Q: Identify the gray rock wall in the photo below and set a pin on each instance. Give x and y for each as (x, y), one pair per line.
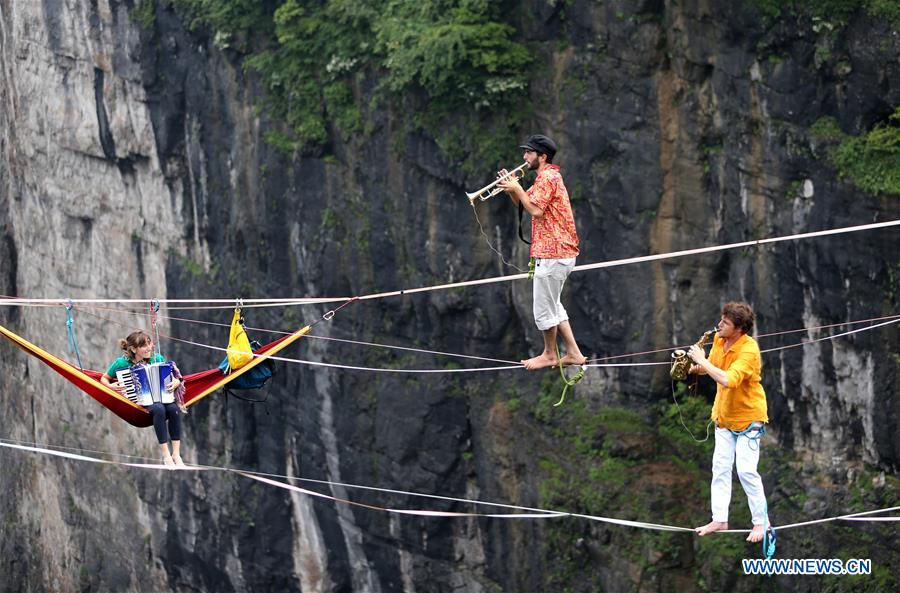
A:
(133, 166)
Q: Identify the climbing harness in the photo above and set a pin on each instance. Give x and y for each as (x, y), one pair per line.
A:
(757, 426)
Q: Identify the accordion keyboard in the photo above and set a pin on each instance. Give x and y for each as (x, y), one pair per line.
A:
(131, 385)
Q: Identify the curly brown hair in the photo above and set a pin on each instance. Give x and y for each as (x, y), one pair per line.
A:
(740, 314)
(135, 339)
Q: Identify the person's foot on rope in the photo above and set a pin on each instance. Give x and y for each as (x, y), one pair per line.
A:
(167, 460)
(756, 534)
(573, 358)
(177, 459)
(711, 527)
(542, 361)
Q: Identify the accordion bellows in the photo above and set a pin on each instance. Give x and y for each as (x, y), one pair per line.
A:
(145, 384)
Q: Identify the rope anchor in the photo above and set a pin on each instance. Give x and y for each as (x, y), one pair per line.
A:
(70, 333)
(154, 324)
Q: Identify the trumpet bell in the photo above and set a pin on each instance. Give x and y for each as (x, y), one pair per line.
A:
(492, 189)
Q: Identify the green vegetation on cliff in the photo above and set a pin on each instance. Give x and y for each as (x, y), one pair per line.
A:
(455, 70)
(326, 64)
(835, 12)
(870, 160)
(612, 461)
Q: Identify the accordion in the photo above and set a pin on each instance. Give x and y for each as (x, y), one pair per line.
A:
(145, 384)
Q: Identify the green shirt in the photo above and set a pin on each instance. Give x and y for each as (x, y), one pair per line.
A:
(124, 363)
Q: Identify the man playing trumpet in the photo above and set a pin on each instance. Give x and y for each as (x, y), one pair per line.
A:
(554, 246)
(740, 414)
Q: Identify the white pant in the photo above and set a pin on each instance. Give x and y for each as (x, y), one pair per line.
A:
(549, 277)
(731, 449)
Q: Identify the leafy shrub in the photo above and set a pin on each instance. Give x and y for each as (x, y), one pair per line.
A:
(456, 61)
(835, 12)
(870, 160)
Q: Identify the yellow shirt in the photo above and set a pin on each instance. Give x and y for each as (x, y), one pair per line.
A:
(744, 400)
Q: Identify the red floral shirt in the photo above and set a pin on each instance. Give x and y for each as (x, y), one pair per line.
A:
(553, 235)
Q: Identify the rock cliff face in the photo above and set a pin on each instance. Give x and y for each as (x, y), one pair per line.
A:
(133, 165)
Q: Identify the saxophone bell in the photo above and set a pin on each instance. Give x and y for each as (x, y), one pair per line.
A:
(681, 362)
(680, 366)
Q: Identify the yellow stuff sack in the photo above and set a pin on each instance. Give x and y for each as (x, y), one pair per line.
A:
(239, 350)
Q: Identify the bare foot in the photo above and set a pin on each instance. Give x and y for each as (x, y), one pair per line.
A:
(711, 527)
(756, 534)
(177, 459)
(167, 460)
(540, 362)
(573, 359)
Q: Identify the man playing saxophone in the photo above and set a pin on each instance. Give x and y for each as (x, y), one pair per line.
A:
(554, 246)
(740, 414)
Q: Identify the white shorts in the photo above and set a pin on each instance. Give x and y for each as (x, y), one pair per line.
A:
(549, 277)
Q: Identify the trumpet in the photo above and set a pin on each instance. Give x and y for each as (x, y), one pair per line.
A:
(681, 364)
(490, 190)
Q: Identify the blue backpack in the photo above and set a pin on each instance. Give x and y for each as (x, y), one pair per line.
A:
(255, 377)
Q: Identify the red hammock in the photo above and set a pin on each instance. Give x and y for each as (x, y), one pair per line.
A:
(197, 385)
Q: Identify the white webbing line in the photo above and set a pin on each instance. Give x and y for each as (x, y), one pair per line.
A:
(231, 303)
(380, 295)
(846, 333)
(422, 512)
(531, 512)
(863, 516)
(78, 457)
(511, 366)
(541, 514)
(408, 349)
(298, 479)
(813, 328)
(345, 340)
(511, 362)
(323, 364)
(404, 348)
(508, 367)
(646, 258)
(590, 363)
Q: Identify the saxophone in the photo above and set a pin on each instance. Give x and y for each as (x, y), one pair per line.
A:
(681, 364)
